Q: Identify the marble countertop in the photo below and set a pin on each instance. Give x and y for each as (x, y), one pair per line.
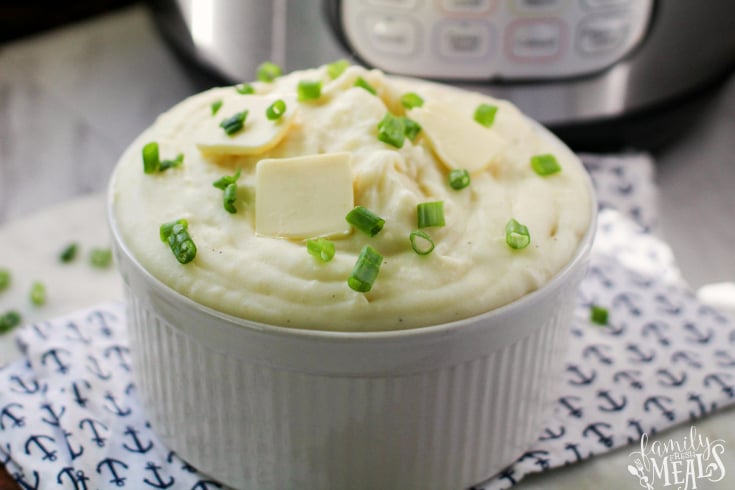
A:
(72, 99)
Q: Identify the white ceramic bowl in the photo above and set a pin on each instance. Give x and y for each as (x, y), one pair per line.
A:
(266, 407)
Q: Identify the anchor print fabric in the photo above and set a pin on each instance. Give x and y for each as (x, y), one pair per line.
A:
(70, 417)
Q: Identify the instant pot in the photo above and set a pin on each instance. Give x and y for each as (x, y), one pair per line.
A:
(600, 73)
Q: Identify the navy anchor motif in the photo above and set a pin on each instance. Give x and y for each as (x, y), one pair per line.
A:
(113, 467)
(15, 419)
(158, 481)
(77, 478)
(136, 446)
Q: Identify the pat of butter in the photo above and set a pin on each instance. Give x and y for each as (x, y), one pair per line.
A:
(457, 139)
(259, 134)
(304, 197)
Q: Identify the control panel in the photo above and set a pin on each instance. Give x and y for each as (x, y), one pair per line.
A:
(494, 39)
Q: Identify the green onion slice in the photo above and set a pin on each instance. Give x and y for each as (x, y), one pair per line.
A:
(485, 114)
(411, 100)
(309, 89)
(9, 320)
(516, 235)
(268, 71)
(321, 248)
(245, 89)
(216, 106)
(228, 184)
(545, 164)
(167, 164)
(336, 68)
(68, 253)
(176, 233)
(365, 220)
(5, 278)
(392, 130)
(101, 258)
(223, 182)
(459, 178)
(421, 242)
(411, 128)
(234, 123)
(38, 293)
(276, 110)
(598, 315)
(366, 270)
(362, 83)
(430, 214)
(151, 160)
(229, 198)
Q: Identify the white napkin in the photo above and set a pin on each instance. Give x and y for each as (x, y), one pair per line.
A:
(70, 417)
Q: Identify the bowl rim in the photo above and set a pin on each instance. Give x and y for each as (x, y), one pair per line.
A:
(582, 251)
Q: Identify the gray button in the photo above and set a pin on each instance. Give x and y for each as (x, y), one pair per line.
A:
(404, 4)
(600, 33)
(605, 3)
(538, 6)
(392, 34)
(463, 39)
(536, 39)
(467, 6)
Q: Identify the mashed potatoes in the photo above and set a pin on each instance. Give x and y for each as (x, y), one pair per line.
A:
(255, 265)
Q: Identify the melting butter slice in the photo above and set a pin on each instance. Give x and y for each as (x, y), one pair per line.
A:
(303, 197)
(457, 139)
(258, 135)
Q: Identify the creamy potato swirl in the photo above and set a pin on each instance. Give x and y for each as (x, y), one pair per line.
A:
(275, 281)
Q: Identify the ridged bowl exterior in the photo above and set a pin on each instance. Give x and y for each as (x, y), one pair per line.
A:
(260, 407)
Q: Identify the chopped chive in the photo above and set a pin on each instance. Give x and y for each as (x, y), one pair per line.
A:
(101, 258)
(229, 198)
(366, 270)
(152, 162)
(598, 315)
(268, 71)
(459, 178)
(5, 278)
(150, 157)
(223, 182)
(167, 164)
(545, 164)
(309, 89)
(68, 253)
(9, 320)
(167, 228)
(228, 184)
(516, 235)
(38, 293)
(176, 233)
(321, 248)
(392, 130)
(234, 123)
(336, 68)
(365, 220)
(275, 110)
(411, 100)
(421, 242)
(216, 106)
(362, 83)
(485, 114)
(411, 128)
(430, 214)
(245, 89)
